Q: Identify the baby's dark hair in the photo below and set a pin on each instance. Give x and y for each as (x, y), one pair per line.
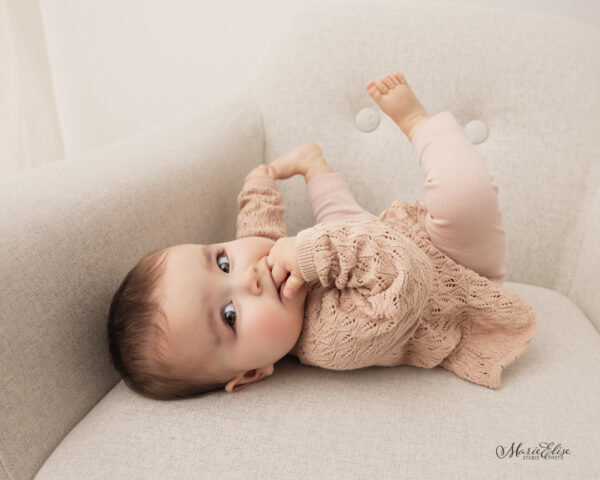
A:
(137, 340)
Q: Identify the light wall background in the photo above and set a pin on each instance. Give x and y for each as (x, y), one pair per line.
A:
(107, 69)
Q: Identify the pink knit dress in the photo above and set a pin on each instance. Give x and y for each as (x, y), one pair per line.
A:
(381, 294)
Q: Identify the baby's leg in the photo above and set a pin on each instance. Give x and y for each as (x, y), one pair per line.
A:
(463, 219)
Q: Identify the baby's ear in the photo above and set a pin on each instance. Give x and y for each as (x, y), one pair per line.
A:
(248, 377)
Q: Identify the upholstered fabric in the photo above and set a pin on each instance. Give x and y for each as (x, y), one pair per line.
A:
(377, 422)
(70, 231)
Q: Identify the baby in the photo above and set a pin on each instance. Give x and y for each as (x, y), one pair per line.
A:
(193, 318)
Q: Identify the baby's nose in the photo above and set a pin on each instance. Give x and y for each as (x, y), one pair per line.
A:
(253, 280)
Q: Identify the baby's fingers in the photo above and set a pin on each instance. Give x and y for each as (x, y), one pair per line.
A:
(292, 285)
(279, 273)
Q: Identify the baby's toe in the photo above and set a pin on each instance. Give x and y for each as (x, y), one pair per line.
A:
(389, 82)
(400, 78)
(381, 86)
(372, 89)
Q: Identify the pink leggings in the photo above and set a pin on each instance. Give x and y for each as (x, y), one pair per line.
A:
(463, 216)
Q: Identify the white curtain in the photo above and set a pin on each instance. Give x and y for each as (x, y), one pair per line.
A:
(29, 128)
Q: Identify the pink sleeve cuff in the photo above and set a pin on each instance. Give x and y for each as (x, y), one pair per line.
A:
(305, 255)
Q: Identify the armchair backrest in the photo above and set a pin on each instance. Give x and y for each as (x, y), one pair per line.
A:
(524, 85)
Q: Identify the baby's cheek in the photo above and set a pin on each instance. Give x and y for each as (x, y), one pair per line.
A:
(273, 323)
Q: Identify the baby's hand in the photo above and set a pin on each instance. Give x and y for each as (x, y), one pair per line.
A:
(261, 171)
(283, 259)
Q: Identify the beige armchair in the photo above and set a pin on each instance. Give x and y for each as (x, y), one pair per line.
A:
(525, 87)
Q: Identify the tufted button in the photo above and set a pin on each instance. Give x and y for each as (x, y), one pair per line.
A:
(476, 131)
(367, 120)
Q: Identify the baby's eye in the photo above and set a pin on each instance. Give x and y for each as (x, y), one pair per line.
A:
(229, 315)
(222, 253)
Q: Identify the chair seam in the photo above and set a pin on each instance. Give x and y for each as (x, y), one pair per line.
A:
(593, 195)
(4, 467)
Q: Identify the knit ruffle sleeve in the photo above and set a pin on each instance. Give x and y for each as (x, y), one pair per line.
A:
(260, 210)
(373, 284)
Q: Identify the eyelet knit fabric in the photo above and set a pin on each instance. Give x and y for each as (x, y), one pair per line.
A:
(470, 326)
(381, 294)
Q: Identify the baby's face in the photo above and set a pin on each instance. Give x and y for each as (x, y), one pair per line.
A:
(223, 308)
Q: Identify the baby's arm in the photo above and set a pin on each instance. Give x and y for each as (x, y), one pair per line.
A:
(377, 284)
(260, 206)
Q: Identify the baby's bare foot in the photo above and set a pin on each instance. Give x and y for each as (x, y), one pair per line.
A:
(397, 100)
(297, 161)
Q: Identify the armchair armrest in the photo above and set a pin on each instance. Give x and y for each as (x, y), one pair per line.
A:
(71, 230)
(584, 287)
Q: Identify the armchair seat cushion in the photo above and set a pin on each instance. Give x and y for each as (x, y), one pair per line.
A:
(376, 422)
